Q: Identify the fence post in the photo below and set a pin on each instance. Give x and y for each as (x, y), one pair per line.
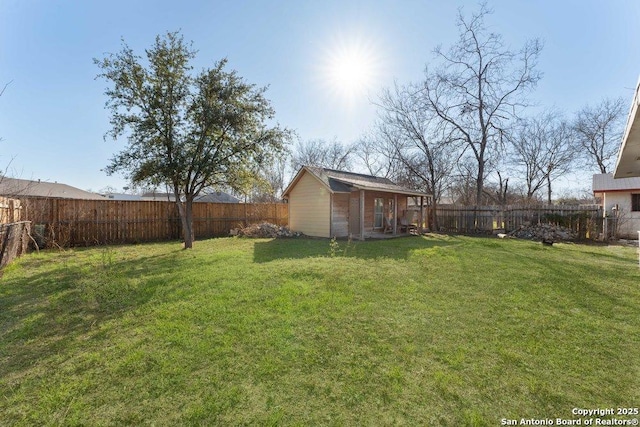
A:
(12, 211)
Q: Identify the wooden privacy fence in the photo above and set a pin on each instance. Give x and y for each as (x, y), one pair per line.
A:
(9, 210)
(586, 221)
(71, 222)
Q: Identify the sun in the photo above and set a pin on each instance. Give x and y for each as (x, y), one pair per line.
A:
(351, 71)
(351, 67)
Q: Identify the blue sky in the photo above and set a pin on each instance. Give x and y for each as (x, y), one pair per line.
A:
(52, 116)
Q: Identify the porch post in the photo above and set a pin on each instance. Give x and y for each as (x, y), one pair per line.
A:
(421, 214)
(605, 222)
(361, 214)
(395, 214)
(331, 215)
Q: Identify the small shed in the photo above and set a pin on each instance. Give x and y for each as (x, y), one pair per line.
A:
(331, 203)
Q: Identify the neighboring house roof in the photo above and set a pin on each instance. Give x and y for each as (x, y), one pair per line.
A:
(447, 200)
(606, 182)
(217, 197)
(159, 197)
(123, 197)
(628, 163)
(212, 197)
(345, 182)
(12, 187)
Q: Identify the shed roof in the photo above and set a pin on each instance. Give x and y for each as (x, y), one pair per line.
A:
(606, 182)
(12, 187)
(345, 182)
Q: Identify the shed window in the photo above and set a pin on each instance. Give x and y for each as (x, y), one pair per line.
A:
(635, 202)
(378, 212)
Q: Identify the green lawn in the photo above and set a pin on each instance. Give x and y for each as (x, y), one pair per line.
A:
(414, 331)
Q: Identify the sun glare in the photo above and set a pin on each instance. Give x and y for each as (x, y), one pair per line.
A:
(351, 68)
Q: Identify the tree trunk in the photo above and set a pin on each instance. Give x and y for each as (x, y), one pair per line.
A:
(188, 231)
(479, 183)
(548, 190)
(434, 215)
(186, 217)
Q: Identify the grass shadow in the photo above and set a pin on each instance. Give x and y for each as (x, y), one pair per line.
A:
(398, 248)
(573, 276)
(68, 303)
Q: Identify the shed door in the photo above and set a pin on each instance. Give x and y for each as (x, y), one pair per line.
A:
(354, 216)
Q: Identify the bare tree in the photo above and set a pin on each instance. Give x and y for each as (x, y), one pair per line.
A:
(416, 138)
(4, 88)
(277, 175)
(479, 87)
(500, 191)
(544, 150)
(4, 173)
(416, 143)
(274, 176)
(462, 188)
(317, 152)
(377, 155)
(599, 130)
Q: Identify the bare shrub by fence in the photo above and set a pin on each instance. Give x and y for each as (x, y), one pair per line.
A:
(14, 241)
(14, 233)
(71, 222)
(586, 221)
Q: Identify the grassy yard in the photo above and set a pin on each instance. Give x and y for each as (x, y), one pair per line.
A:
(415, 331)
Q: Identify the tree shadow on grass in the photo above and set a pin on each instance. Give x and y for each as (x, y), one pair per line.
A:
(579, 276)
(397, 248)
(42, 315)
